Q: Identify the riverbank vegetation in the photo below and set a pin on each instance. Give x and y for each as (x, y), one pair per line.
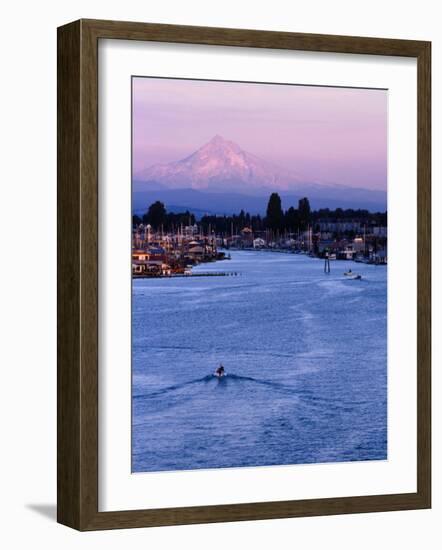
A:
(292, 220)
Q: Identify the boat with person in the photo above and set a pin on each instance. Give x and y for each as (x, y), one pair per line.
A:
(352, 275)
(220, 372)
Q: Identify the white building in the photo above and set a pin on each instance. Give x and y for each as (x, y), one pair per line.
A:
(258, 243)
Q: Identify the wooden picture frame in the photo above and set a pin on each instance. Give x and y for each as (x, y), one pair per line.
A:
(78, 274)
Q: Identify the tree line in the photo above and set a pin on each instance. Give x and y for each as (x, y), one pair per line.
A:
(276, 219)
(157, 216)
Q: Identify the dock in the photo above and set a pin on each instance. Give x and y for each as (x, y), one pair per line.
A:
(190, 275)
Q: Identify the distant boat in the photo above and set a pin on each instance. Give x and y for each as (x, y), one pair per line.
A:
(351, 275)
(220, 372)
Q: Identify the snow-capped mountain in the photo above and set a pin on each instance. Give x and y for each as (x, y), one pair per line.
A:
(220, 165)
(221, 177)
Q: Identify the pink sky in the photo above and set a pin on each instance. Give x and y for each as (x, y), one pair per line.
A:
(330, 135)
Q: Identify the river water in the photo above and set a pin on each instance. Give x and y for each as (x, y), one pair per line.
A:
(305, 354)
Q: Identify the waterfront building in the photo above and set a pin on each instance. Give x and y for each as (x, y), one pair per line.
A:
(347, 253)
(340, 226)
(259, 243)
(247, 237)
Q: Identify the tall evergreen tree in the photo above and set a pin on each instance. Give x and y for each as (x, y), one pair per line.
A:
(304, 212)
(156, 215)
(291, 219)
(275, 215)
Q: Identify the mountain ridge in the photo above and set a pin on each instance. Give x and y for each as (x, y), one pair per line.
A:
(220, 164)
(200, 202)
(221, 167)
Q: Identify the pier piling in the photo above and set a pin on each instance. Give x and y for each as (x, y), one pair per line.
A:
(327, 264)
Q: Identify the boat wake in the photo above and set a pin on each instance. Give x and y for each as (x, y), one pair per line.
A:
(262, 382)
(225, 380)
(175, 387)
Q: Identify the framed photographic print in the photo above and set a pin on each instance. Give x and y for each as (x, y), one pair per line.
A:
(243, 275)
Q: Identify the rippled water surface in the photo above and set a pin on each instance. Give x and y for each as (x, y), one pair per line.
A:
(304, 352)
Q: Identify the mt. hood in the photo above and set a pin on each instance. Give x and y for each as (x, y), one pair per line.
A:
(220, 165)
(223, 178)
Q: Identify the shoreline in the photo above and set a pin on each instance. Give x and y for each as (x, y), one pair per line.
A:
(190, 275)
(313, 257)
(237, 273)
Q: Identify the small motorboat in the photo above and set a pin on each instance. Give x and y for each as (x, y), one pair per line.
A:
(352, 275)
(220, 372)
